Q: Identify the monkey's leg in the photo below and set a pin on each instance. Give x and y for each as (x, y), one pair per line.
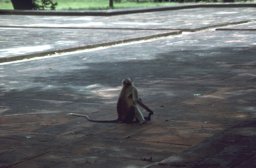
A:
(139, 115)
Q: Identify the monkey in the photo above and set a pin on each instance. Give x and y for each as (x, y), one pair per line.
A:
(127, 106)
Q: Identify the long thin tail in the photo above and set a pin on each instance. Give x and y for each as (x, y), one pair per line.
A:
(91, 120)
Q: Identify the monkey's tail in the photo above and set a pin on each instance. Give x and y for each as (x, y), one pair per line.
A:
(91, 120)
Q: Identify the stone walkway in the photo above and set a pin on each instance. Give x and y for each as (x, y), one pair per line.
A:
(43, 35)
(199, 81)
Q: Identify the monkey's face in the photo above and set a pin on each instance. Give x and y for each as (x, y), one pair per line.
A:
(127, 82)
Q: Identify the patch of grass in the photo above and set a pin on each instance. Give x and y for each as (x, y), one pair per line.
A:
(5, 4)
(93, 4)
(81, 4)
(104, 4)
(146, 4)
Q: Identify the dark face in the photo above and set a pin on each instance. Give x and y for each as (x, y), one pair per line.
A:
(127, 82)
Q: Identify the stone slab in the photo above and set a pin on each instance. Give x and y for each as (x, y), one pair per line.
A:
(198, 84)
(20, 43)
(234, 147)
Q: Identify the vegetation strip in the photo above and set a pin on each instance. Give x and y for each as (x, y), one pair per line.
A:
(126, 11)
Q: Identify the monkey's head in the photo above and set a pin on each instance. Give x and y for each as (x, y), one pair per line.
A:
(127, 82)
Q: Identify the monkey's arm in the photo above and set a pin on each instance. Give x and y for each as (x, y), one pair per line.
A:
(139, 101)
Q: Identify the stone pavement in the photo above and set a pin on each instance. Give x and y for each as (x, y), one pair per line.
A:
(50, 34)
(201, 85)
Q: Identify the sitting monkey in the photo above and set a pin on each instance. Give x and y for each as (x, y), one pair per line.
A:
(127, 106)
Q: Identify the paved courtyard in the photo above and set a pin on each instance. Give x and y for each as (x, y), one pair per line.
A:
(194, 67)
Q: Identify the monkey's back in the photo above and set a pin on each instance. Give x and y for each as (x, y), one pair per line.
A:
(125, 105)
